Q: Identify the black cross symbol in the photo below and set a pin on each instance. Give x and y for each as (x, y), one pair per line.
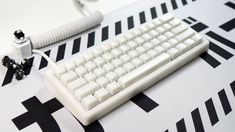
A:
(41, 113)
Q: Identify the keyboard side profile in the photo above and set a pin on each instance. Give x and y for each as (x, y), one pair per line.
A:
(92, 84)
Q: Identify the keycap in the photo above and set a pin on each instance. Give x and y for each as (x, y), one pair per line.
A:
(107, 75)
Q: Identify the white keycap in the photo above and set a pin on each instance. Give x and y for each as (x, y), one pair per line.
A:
(86, 90)
(182, 48)
(133, 54)
(139, 40)
(153, 33)
(173, 42)
(68, 77)
(108, 57)
(125, 58)
(197, 38)
(169, 34)
(114, 88)
(179, 29)
(124, 48)
(152, 53)
(150, 25)
(184, 35)
(89, 102)
(120, 71)
(148, 45)
(116, 53)
(155, 41)
(160, 30)
(99, 61)
(79, 61)
(88, 56)
(97, 52)
(157, 22)
(116, 62)
(166, 45)
(136, 32)
(102, 95)
(140, 72)
(90, 77)
(162, 38)
(167, 26)
(173, 52)
(99, 72)
(166, 17)
(137, 62)
(132, 44)
(121, 39)
(129, 36)
(189, 43)
(75, 84)
(129, 66)
(102, 81)
(175, 22)
(141, 50)
(159, 49)
(145, 58)
(58, 71)
(81, 71)
(143, 28)
(105, 47)
(108, 67)
(114, 44)
(70, 66)
(146, 37)
(90, 66)
(111, 76)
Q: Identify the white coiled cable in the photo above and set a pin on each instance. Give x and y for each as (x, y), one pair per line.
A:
(49, 37)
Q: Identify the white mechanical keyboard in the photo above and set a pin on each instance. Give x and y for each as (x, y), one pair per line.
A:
(94, 83)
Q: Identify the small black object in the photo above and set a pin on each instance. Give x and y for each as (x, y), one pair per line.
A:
(19, 34)
(19, 69)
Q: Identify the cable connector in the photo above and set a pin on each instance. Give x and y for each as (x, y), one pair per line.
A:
(22, 45)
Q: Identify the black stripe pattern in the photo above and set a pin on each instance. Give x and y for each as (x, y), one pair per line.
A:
(228, 26)
(130, 22)
(174, 4)
(153, 12)
(197, 121)
(210, 59)
(220, 51)
(118, 27)
(144, 102)
(105, 33)
(164, 8)
(43, 62)
(91, 39)
(76, 45)
(142, 17)
(199, 27)
(211, 111)
(61, 52)
(230, 4)
(224, 101)
(180, 125)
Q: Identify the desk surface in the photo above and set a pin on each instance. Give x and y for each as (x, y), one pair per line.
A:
(200, 96)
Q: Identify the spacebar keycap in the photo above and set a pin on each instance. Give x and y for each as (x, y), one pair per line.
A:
(143, 70)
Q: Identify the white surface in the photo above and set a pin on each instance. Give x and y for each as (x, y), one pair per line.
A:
(136, 80)
(177, 95)
(36, 16)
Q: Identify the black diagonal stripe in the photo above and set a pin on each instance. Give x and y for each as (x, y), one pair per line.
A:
(220, 51)
(105, 33)
(43, 62)
(193, 0)
(91, 39)
(228, 26)
(224, 101)
(233, 87)
(118, 27)
(197, 121)
(210, 60)
(60, 52)
(144, 102)
(166, 131)
(153, 12)
(76, 46)
(164, 8)
(28, 70)
(230, 4)
(174, 4)
(192, 19)
(187, 21)
(130, 22)
(142, 17)
(180, 125)
(211, 111)
(221, 39)
(199, 27)
(184, 2)
(8, 77)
